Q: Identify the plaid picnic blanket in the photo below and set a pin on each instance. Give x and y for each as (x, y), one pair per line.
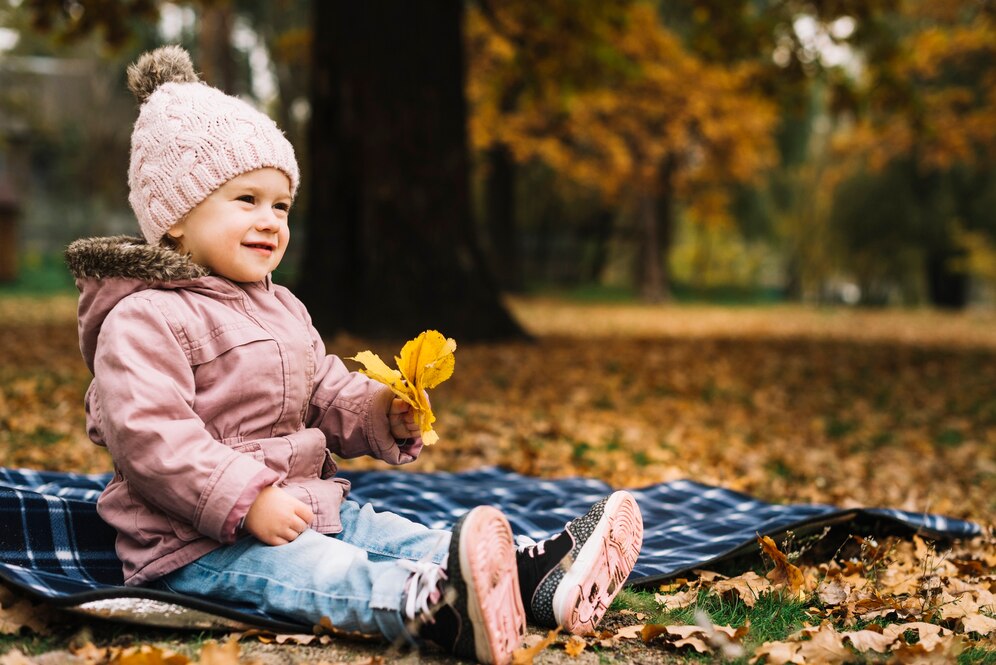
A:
(54, 546)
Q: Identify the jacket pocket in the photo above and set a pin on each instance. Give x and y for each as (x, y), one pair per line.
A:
(324, 497)
(185, 532)
(296, 457)
(224, 339)
(252, 448)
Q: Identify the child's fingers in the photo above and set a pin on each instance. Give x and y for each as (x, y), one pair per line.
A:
(399, 406)
(304, 514)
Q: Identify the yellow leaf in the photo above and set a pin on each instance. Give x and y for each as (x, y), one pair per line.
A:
(146, 654)
(428, 359)
(525, 655)
(378, 370)
(575, 645)
(424, 363)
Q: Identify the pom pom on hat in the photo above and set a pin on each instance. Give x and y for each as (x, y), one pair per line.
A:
(190, 139)
(169, 64)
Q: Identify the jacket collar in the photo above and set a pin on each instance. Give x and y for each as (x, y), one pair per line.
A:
(129, 257)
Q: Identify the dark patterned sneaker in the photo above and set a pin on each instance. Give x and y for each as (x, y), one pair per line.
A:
(569, 580)
(478, 614)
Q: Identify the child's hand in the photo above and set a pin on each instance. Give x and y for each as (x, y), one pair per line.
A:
(401, 417)
(277, 518)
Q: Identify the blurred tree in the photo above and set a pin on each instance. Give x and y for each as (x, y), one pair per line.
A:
(215, 59)
(65, 87)
(548, 51)
(70, 21)
(391, 248)
(924, 113)
(621, 107)
(799, 49)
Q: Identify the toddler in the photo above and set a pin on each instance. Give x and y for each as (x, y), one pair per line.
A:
(215, 397)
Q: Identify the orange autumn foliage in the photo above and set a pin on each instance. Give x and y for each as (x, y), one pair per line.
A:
(643, 103)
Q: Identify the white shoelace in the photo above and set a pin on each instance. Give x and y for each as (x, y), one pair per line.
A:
(533, 549)
(424, 581)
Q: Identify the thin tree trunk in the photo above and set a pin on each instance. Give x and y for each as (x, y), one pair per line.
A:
(602, 223)
(217, 66)
(657, 221)
(653, 287)
(391, 248)
(947, 288)
(503, 232)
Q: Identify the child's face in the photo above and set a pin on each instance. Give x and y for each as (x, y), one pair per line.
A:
(239, 231)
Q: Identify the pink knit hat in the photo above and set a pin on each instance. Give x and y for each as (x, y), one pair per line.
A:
(190, 139)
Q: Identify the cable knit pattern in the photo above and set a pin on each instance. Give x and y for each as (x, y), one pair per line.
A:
(189, 140)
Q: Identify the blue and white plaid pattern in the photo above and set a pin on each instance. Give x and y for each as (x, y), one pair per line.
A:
(54, 545)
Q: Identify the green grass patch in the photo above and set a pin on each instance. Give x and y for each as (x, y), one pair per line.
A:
(731, 295)
(836, 429)
(30, 645)
(773, 616)
(40, 274)
(977, 656)
(949, 438)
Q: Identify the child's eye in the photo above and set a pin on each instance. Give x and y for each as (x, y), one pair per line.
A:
(247, 198)
(283, 207)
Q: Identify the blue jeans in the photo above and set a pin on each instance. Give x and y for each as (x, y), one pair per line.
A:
(352, 577)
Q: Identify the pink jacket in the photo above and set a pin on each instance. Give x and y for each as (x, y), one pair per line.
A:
(205, 392)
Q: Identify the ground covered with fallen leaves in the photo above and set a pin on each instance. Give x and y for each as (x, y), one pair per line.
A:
(788, 403)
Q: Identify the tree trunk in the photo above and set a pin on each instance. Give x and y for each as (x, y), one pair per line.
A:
(390, 248)
(499, 204)
(601, 225)
(947, 289)
(217, 66)
(656, 212)
(653, 287)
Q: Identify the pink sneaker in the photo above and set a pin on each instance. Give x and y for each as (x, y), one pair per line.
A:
(569, 580)
(480, 615)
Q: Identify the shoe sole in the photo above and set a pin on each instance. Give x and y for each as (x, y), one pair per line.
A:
(490, 583)
(600, 568)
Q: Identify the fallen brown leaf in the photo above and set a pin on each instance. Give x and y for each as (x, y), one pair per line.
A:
(869, 640)
(784, 572)
(525, 655)
(226, 653)
(678, 600)
(748, 587)
(777, 653)
(825, 646)
(15, 657)
(22, 613)
(833, 592)
(979, 623)
(941, 652)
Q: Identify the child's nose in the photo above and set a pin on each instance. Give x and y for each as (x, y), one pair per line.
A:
(268, 220)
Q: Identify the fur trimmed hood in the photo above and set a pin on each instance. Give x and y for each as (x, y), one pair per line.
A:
(107, 270)
(129, 257)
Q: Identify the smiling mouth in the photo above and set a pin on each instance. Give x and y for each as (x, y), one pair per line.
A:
(260, 245)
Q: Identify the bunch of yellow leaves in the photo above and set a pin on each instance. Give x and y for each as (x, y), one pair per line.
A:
(425, 362)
